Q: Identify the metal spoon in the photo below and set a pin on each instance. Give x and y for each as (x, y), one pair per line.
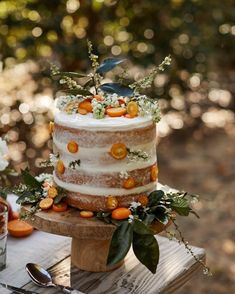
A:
(42, 277)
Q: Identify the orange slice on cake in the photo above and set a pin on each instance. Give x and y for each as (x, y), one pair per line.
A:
(118, 151)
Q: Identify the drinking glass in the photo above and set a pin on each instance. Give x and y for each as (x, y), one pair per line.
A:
(3, 235)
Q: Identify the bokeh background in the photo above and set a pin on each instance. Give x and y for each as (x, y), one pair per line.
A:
(196, 134)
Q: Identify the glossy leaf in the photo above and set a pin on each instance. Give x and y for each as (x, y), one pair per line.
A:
(108, 64)
(146, 249)
(79, 92)
(30, 180)
(28, 197)
(117, 88)
(140, 228)
(155, 197)
(120, 243)
(181, 206)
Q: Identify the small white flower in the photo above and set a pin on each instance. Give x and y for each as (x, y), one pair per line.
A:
(130, 219)
(124, 175)
(53, 158)
(134, 205)
(44, 177)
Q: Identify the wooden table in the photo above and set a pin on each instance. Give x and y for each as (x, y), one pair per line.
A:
(176, 267)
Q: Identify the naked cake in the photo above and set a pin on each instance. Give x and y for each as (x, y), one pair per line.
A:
(116, 156)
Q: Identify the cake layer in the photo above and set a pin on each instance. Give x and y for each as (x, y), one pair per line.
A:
(103, 191)
(105, 179)
(98, 203)
(101, 156)
(97, 138)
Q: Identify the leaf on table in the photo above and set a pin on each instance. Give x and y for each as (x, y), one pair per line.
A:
(117, 88)
(108, 64)
(120, 243)
(146, 249)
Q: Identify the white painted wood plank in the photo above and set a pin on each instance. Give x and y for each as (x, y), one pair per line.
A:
(175, 268)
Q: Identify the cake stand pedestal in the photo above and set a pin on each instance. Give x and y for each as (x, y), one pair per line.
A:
(90, 237)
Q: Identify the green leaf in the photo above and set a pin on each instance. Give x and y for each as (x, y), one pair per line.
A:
(120, 244)
(108, 64)
(30, 180)
(71, 74)
(181, 206)
(27, 197)
(146, 249)
(149, 218)
(155, 197)
(79, 92)
(140, 228)
(117, 88)
(160, 213)
(59, 197)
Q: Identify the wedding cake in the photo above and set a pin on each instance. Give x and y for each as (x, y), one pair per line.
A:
(102, 160)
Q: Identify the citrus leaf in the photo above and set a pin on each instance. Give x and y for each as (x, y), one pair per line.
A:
(181, 206)
(108, 64)
(30, 180)
(58, 198)
(146, 249)
(120, 243)
(140, 228)
(28, 197)
(117, 88)
(155, 197)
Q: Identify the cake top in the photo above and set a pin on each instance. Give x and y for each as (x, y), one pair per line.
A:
(88, 122)
(89, 93)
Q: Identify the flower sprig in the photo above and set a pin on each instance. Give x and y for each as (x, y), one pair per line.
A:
(147, 81)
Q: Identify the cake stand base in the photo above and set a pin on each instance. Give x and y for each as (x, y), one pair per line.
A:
(91, 237)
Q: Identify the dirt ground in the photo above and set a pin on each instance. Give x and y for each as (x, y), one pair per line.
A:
(203, 163)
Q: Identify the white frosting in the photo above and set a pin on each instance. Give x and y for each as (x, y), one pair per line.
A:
(88, 122)
(93, 159)
(97, 191)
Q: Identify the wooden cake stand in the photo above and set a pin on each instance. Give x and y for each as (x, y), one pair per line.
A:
(90, 237)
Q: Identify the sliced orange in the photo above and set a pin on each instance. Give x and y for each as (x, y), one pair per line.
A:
(111, 202)
(118, 151)
(154, 173)
(19, 228)
(72, 147)
(46, 203)
(143, 200)
(52, 192)
(86, 214)
(86, 104)
(129, 183)
(116, 112)
(132, 108)
(121, 213)
(60, 207)
(82, 111)
(60, 167)
(51, 127)
(98, 97)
